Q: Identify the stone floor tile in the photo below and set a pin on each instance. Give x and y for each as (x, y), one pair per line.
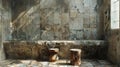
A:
(44, 63)
(25, 61)
(86, 65)
(17, 65)
(105, 66)
(99, 66)
(111, 66)
(60, 63)
(104, 62)
(84, 61)
(92, 62)
(67, 66)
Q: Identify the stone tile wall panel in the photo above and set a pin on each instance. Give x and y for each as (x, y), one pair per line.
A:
(46, 15)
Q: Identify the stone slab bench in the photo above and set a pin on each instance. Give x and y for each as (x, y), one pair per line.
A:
(91, 49)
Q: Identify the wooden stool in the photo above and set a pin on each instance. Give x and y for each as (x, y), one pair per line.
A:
(75, 56)
(53, 54)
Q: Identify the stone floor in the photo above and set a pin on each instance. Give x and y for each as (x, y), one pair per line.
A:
(60, 63)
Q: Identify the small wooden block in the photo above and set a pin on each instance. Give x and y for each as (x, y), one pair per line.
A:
(53, 54)
(75, 56)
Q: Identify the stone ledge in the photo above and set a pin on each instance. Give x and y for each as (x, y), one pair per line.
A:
(39, 49)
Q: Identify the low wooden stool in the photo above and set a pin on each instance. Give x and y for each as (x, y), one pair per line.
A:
(53, 54)
(75, 56)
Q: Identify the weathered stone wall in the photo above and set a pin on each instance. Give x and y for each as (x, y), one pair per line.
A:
(112, 36)
(5, 18)
(114, 46)
(39, 50)
(55, 20)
